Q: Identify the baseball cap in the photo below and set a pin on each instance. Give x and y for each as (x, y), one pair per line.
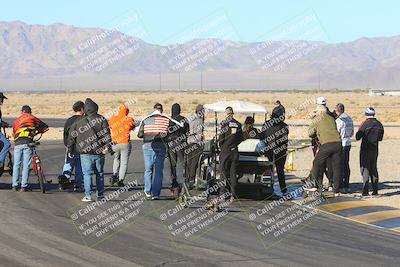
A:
(321, 100)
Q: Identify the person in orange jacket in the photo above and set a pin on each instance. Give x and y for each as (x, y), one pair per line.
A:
(121, 125)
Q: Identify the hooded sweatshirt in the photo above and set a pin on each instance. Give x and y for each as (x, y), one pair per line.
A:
(196, 128)
(121, 125)
(177, 134)
(89, 134)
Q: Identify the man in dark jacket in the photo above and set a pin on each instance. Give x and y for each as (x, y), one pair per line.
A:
(279, 109)
(371, 132)
(75, 162)
(276, 134)
(90, 137)
(177, 136)
(229, 139)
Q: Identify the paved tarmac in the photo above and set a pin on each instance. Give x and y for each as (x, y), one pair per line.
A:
(57, 229)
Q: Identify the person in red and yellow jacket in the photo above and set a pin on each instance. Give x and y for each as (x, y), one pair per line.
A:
(121, 125)
(25, 128)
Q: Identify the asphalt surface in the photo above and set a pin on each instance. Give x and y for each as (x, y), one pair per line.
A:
(41, 230)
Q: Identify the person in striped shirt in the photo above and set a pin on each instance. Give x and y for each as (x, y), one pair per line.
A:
(153, 129)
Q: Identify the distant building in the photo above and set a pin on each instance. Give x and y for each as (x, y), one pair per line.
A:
(383, 93)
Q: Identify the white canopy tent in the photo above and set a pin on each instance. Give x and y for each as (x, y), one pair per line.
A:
(238, 107)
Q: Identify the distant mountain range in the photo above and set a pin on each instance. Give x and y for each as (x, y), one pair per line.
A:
(58, 56)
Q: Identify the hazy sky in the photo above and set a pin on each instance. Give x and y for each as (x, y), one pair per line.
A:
(163, 21)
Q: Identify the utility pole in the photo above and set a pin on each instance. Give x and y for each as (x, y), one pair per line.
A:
(319, 80)
(160, 81)
(179, 79)
(201, 81)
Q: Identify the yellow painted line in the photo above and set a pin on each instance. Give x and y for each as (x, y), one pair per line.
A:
(339, 206)
(377, 216)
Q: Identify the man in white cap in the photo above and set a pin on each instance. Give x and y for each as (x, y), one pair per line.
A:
(321, 101)
(371, 132)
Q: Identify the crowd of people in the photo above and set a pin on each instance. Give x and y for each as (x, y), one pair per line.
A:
(89, 136)
(331, 134)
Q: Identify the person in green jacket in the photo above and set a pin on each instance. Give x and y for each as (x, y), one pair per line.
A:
(324, 128)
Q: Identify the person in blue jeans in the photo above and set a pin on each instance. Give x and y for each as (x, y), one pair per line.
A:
(71, 163)
(93, 164)
(90, 137)
(153, 129)
(25, 128)
(5, 147)
(154, 155)
(4, 142)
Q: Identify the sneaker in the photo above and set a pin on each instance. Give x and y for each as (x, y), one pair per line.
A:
(121, 183)
(330, 188)
(26, 189)
(311, 189)
(155, 198)
(336, 194)
(15, 188)
(87, 199)
(147, 194)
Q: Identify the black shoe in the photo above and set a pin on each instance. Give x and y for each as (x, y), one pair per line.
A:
(78, 188)
(63, 182)
(121, 183)
(26, 189)
(375, 193)
(15, 188)
(365, 194)
(113, 179)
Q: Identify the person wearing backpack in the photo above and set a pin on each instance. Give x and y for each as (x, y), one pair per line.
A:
(371, 133)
